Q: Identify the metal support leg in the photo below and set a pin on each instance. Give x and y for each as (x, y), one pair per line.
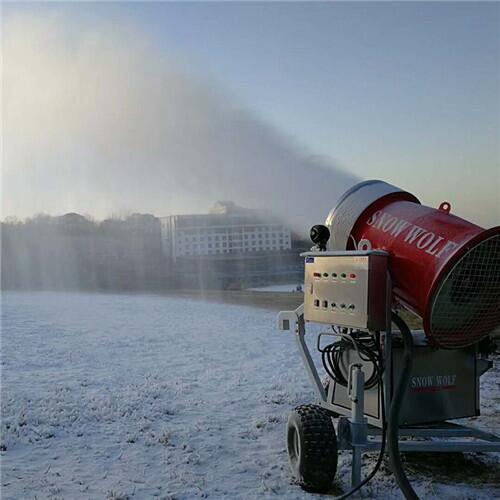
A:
(358, 422)
(356, 466)
(308, 361)
(289, 319)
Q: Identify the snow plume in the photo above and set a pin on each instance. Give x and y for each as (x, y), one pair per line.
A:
(99, 121)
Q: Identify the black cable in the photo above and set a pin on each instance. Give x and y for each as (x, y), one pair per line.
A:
(384, 427)
(395, 410)
(369, 350)
(366, 347)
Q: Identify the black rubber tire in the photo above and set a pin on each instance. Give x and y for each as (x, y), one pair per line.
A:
(312, 447)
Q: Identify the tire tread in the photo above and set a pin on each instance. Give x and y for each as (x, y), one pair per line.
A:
(318, 460)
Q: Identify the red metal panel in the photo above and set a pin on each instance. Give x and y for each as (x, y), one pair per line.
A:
(424, 244)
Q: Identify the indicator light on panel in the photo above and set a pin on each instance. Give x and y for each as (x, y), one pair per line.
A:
(352, 276)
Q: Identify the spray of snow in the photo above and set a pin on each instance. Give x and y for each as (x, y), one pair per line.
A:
(100, 121)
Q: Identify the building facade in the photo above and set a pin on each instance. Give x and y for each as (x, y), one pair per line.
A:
(228, 229)
(230, 247)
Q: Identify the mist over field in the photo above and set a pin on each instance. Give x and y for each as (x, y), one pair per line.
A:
(99, 121)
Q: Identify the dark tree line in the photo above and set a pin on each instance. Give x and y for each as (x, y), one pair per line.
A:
(72, 252)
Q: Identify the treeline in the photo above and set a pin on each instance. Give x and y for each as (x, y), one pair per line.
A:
(72, 252)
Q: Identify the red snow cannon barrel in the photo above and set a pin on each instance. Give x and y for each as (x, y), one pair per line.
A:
(444, 268)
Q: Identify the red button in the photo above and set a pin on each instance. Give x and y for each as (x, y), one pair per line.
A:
(352, 276)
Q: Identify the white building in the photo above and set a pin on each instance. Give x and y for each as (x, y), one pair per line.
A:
(228, 229)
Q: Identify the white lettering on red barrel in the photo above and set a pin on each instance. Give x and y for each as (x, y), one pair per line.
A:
(425, 240)
(414, 233)
(432, 249)
(411, 234)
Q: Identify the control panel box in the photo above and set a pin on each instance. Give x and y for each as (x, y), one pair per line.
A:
(346, 288)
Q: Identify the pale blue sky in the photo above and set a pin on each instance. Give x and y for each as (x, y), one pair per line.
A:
(407, 92)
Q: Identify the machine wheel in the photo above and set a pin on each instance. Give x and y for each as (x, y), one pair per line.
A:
(312, 447)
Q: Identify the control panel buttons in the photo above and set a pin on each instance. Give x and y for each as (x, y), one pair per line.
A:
(337, 290)
(343, 276)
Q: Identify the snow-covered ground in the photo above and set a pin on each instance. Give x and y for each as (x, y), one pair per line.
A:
(137, 396)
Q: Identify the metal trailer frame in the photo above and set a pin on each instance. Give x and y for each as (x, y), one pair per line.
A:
(354, 431)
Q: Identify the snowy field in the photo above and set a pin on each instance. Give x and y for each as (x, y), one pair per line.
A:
(137, 396)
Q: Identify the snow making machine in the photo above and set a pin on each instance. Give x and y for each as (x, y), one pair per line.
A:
(388, 387)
